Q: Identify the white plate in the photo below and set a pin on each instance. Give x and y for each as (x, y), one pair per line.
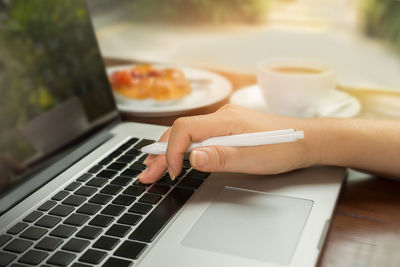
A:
(251, 97)
(207, 88)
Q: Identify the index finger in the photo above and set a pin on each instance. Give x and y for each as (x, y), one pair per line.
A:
(193, 129)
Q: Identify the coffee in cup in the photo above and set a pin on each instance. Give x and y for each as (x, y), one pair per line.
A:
(293, 87)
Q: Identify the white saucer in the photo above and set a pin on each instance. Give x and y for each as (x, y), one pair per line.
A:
(251, 97)
(207, 88)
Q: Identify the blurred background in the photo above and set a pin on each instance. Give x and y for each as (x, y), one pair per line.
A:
(359, 39)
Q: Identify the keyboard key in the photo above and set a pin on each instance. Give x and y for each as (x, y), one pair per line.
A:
(101, 220)
(116, 153)
(79, 264)
(74, 200)
(130, 219)
(198, 174)
(72, 186)
(97, 182)
(134, 190)
(6, 258)
(18, 245)
(124, 200)
(77, 219)
(33, 216)
(161, 215)
(4, 239)
(111, 189)
(85, 191)
(89, 232)
(63, 231)
(105, 161)
(49, 243)
(132, 141)
(106, 243)
(142, 143)
(190, 183)
(130, 173)
(95, 169)
(113, 210)
(93, 256)
(132, 152)
(107, 174)
(48, 221)
(165, 180)
(111, 262)
(33, 257)
(100, 199)
(60, 195)
(61, 210)
(186, 164)
(130, 249)
(125, 159)
(181, 174)
(84, 177)
(124, 147)
(159, 189)
(89, 209)
(121, 181)
(138, 166)
(150, 198)
(61, 258)
(17, 265)
(118, 230)
(138, 183)
(17, 228)
(33, 233)
(76, 245)
(47, 205)
(116, 166)
(140, 208)
(143, 157)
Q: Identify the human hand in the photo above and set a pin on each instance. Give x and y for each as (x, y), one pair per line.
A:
(266, 159)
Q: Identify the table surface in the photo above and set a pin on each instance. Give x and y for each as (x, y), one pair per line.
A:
(365, 228)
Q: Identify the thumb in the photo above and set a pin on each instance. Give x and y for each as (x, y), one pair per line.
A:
(214, 158)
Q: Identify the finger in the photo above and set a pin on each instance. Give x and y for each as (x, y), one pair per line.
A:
(215, 159)
(154, 171)
(193, 129)
(228, 159)
(164, 138)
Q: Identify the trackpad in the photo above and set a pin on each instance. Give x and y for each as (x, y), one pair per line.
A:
(251, 224)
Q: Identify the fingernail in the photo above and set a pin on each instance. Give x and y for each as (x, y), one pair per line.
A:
(199, 158)
(142, 174)
(146, 161)
(171, 173)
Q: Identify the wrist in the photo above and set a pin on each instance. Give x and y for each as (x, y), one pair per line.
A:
(314, 132)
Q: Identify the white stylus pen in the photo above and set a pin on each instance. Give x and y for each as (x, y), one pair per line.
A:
(249, 139)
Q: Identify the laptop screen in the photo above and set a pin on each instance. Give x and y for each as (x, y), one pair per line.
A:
(53, 87)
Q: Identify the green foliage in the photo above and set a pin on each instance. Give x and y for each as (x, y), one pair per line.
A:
(48, 55)
(200, 11)
(382, 19)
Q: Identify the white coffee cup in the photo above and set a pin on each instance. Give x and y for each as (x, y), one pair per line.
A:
(293, 87)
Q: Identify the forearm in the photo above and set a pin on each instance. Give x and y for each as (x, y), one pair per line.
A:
(370, 145)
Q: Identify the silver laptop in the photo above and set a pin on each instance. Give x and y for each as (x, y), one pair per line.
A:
(68, 167)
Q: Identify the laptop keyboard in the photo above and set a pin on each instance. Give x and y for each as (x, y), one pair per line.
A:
(105, 217)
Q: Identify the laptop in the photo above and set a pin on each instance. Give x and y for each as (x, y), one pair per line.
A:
(68, 167)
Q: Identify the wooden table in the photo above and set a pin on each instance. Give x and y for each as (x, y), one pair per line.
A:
(365, 229)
